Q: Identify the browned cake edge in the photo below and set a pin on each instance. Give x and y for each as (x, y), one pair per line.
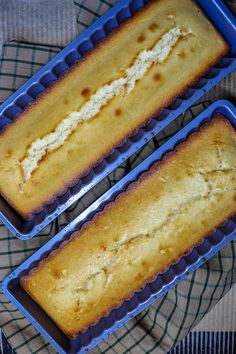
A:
(59, 81)
(166, 159)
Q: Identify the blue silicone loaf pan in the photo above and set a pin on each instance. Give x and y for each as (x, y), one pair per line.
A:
(151, 291)
(217, 12)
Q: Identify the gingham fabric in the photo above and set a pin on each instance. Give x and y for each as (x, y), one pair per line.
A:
(165, 323)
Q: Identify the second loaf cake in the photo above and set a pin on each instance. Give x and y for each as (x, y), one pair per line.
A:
(170, 209)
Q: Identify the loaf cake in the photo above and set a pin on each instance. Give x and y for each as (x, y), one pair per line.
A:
(170, 208)
(104, 98)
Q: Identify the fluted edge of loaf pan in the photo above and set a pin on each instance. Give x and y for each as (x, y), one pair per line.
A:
(151, 291)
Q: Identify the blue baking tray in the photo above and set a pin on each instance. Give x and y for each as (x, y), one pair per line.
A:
(217, 12)
(152, 291)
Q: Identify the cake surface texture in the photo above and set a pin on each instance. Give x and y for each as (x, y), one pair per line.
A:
(101, 100)
(159, 218)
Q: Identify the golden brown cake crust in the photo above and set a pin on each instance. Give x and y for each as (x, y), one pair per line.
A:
(26, 208)
(92, 52)
(156, 171)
